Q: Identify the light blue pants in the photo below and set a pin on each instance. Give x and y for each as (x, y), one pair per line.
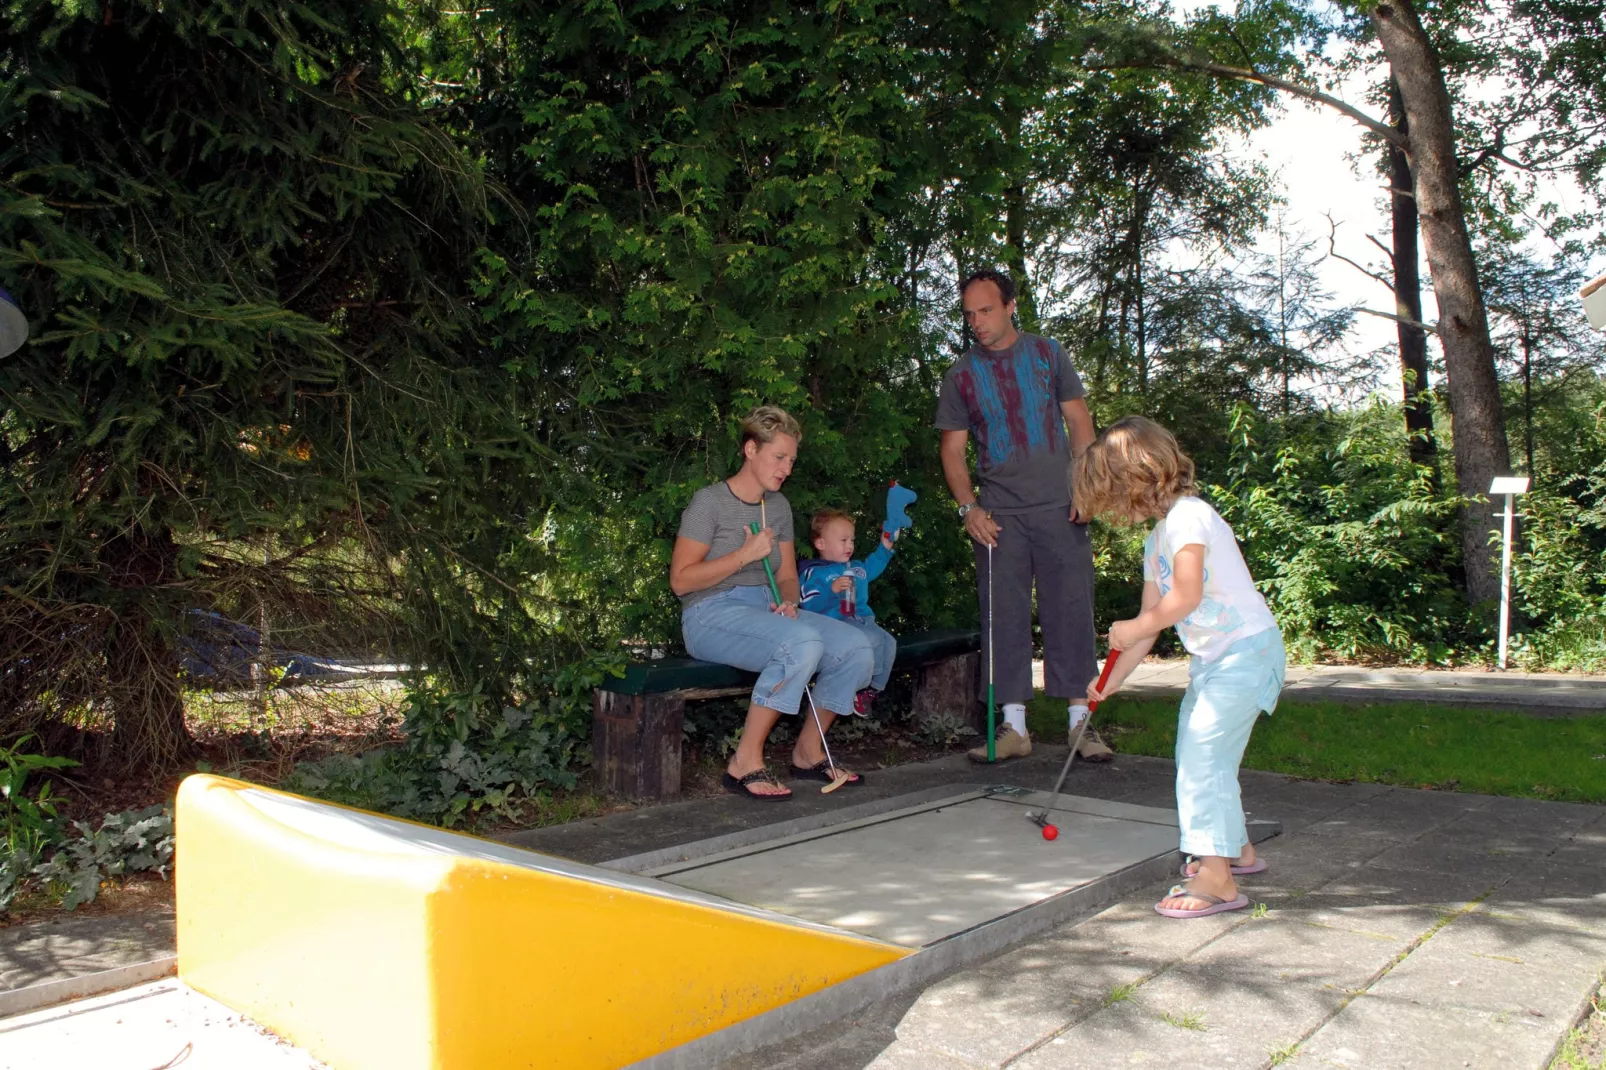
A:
(736, 627)
(883, 644)
(1223, 699)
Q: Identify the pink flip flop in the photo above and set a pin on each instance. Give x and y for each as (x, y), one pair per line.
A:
(1217, 905)
(1259, 866)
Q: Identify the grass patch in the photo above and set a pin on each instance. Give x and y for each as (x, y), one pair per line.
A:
(1119, 994)
(1192, 1020)
(1415, 744)
(1585, 1047)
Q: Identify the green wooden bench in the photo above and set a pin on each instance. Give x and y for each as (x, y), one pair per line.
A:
(637, 718)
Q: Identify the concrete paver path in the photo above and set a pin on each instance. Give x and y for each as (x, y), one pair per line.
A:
(1398, 928)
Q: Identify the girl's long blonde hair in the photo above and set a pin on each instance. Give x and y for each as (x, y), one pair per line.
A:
(1135, 469)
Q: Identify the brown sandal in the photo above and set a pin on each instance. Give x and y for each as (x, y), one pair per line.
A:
(738, 785)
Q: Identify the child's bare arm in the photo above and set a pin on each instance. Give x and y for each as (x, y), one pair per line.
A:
(1130, 657)
(1187, 590)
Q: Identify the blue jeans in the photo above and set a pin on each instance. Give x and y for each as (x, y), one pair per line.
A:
(883, 644)
(736, 627)
(1223, 700)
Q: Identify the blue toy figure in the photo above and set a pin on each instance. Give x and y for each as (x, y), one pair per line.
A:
(899, 498)
(836, 585)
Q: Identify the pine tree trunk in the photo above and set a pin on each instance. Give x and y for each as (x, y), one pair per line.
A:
(1408, 300)
(141, 662)
(1477, 419)
(1015, 236)
(1015, 233)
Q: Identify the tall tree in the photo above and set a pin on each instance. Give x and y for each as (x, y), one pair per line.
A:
(242, 242)
(1429, 146)
(1405, 257)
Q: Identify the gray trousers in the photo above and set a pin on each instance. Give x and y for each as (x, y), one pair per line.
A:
(1045, 546)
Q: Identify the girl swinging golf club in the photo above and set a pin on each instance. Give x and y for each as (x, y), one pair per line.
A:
(1194, 578)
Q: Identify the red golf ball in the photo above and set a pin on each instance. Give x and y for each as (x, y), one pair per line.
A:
(1050, 832)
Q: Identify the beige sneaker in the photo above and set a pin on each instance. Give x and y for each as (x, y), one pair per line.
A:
(1007, 743)
(1093, 749)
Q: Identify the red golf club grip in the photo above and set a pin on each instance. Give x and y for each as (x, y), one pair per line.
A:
(1104, 677)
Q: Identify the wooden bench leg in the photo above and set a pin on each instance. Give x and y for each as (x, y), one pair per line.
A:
(950, 686)
(635, 740)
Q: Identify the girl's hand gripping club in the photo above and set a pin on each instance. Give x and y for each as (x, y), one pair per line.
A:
(1040, 818)
(838, 778)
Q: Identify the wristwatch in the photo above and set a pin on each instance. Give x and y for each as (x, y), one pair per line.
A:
(966, 508)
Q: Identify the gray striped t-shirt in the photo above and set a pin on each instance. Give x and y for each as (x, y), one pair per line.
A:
(716, 516)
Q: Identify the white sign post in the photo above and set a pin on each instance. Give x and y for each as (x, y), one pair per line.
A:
(1510, 486)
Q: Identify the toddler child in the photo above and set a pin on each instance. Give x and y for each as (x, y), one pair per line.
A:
(835, 585)
(1194, 577)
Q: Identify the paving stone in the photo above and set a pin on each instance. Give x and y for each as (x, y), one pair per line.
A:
(1376, 882)
(1256, 989)
(1494, 964)
(1564, 897)
(1525, 838)
(64, 948)
(1377, 1033)
(1298, 863)
(1450, 860)
(910, 1056)
(989, 1014)
(1482, 991)
(1542, 812)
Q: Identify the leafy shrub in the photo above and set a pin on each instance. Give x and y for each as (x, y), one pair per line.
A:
(133, 841)
(943, 729)
(1354, 546)
(1559, 576)
(31, 824)
(466, 755)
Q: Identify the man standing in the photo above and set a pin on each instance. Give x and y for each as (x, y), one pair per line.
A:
(1018, 394)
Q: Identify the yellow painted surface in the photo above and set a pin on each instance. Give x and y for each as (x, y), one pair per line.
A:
(375, 943)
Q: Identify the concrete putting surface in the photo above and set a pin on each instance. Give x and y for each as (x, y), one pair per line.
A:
(919, 874)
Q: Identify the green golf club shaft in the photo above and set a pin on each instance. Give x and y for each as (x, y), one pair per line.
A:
(992, 735)
(769, 570)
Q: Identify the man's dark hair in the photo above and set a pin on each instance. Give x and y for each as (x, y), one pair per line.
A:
(1005, 284)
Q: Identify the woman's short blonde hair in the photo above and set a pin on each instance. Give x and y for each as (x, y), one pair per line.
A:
(1134, 468)
(765, 422)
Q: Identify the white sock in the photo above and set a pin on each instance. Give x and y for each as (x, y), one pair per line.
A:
(1015, 716)
(1077, 714)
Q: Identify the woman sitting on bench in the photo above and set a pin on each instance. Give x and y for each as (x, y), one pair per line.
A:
(727, 615)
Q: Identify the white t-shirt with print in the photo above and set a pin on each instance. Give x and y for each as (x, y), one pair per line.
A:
(1230, 608)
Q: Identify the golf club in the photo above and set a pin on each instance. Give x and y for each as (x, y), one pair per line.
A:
(837, 779)
(992, 740)
(1040, 818)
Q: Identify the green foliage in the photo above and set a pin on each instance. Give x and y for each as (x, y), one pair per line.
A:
(413, 329)
(31, 824)
(943, 729)
(243, 240)
(133, 841)
(30, 821)
(468, 758)
(1353, 545)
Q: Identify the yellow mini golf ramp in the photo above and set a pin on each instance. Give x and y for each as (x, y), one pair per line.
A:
(378, 943)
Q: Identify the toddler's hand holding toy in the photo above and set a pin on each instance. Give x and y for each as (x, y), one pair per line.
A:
(842, 583)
